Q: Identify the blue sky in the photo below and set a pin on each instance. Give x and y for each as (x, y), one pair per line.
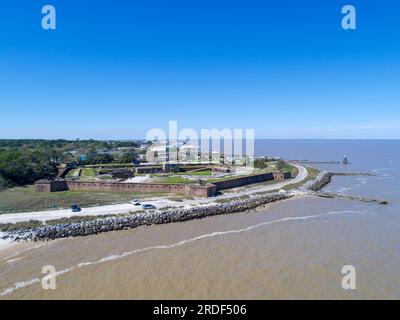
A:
(115, 69)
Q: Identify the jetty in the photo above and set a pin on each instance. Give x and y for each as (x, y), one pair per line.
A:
(315, 162)
(314, 187)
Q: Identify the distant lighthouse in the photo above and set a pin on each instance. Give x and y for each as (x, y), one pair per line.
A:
(345, 160)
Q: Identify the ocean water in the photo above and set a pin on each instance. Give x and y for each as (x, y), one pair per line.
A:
(293, 249)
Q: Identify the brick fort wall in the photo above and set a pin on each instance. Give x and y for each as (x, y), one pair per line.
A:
(195, 190)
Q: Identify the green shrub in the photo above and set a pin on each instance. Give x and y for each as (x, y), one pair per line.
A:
(20, 225)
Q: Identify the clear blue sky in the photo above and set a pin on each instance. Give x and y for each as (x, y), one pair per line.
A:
(115, 69)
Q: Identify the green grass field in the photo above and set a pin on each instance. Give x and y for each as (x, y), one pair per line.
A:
(22, 199)
(111, 165)
(312, 174)
(72, 173)
(88, 172)
(196, 173)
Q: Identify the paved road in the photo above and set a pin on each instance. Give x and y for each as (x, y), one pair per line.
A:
(159, 203)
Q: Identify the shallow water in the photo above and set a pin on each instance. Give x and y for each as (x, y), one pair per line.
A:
(292, 249)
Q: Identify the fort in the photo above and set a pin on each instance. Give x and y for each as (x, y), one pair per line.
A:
(196, 190)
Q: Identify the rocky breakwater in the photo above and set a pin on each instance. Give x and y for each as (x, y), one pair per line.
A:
(350, 197)
(147, 218)
(321, 180)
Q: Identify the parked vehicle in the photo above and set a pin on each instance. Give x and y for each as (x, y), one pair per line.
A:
(75, 208)
(134, 201)
(148, 206)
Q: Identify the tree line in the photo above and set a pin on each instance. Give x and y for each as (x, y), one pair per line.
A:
(25, 161)
(19, 167)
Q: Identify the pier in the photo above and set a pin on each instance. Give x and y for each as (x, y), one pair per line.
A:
(315, 162)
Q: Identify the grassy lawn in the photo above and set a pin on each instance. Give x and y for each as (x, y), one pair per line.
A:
(312, 174)
(72, 173)
(294, 172)
(272, 167)
(196, 173)
(104, 177)
(113, 165)
(22, 199)
(88, 172)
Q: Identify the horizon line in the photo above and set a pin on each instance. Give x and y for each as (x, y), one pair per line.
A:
(141, 139)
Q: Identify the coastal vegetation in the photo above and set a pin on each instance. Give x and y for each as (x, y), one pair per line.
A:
(31, 224)
(270, 164)
(20, 199)
(312, 173)
(24, 166)
(24, 225)
(24, 161)
(129, 221)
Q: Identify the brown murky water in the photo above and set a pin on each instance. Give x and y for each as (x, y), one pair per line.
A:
(260, 255)
(293, 249)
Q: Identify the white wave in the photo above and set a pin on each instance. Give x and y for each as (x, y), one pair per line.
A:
(10, 261)
(6, 259)
(22, 284)
(383, 169)
(19, 285)
(342, 190)
(386, 177)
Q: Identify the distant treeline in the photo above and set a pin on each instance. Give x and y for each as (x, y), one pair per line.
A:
(67, 144)
(24, 161)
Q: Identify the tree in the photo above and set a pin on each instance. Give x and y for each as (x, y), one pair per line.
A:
(260, 164)
(125, 158)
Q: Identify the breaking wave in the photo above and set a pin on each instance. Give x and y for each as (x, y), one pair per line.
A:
(23, 284)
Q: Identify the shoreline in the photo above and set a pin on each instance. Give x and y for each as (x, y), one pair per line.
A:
(256, 199)
(254, 202)
(148, 218)
(8, 247)
(160, 203)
